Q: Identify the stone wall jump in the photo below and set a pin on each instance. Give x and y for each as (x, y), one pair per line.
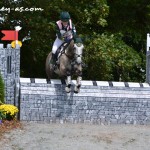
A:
(98, 102)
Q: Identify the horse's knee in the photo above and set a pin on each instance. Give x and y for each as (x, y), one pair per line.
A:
(79, 73)
(79, 79)
(69, 80)
(68, 73)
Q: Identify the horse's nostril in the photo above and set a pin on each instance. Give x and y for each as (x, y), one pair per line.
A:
(79, 61)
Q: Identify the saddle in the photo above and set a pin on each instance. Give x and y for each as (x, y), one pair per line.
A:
(61, 50)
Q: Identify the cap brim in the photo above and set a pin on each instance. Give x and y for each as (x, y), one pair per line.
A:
(65, 20)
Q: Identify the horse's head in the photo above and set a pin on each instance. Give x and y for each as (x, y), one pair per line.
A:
(78, 50)
(74, 49)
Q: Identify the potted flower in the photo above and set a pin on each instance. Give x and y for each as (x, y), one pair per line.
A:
(9, 111)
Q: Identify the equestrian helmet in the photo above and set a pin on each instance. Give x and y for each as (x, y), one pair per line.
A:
(64, 16)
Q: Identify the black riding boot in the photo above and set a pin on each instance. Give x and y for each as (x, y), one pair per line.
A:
(53, 61)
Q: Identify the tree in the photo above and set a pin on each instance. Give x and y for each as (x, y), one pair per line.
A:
(131, 19)
(111, 59)
(41, 26)
(113, 33)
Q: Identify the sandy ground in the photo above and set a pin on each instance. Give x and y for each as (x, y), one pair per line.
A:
(38, 136)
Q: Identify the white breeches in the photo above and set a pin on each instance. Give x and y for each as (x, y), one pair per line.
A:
(56, 45)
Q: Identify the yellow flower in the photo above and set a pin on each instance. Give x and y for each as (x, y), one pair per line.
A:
(9, 109)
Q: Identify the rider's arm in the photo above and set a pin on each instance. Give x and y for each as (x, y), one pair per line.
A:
(58, 32)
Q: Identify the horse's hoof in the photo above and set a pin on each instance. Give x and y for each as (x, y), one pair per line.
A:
(76, 92)
(67, 90)
(48, 82)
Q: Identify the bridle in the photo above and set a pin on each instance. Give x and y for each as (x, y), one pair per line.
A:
(78, 50)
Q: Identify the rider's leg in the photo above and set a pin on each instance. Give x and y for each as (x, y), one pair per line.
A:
(56, 45)
(53, 59)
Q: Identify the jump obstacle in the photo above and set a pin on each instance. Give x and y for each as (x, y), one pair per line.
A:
(99, 102)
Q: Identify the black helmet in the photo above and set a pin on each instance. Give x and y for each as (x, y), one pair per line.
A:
(64, 16)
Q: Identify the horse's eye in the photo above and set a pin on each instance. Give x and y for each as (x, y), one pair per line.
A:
(79, 44)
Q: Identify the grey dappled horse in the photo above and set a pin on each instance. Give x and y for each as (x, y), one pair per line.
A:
(69, 63)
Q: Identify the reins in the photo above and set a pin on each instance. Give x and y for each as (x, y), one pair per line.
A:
(65, 47)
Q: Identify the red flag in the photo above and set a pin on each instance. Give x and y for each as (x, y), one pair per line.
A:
(10, 35)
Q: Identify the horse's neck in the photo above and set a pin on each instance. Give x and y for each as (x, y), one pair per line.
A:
(70, 51)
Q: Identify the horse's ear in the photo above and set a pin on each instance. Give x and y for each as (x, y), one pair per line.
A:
(78, 40)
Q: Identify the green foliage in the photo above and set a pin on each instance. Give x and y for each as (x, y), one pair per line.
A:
(114, 35)
(2, 93)
(109, 58)
(131, 18)
(2, 115)
(41, 26)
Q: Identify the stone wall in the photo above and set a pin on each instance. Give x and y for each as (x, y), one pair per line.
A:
(10, 71)
(98, 102)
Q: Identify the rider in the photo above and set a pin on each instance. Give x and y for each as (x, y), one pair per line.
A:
(65, 23)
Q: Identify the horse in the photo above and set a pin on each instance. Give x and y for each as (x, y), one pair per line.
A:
(69, 64)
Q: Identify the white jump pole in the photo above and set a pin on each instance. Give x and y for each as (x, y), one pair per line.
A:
(148, 59)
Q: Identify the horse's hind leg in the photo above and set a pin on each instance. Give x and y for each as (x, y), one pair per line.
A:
(48, 67)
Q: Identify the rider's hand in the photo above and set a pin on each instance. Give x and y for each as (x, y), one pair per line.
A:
(61, 38)
(67, 40)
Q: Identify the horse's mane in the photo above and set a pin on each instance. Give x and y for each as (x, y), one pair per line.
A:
(69, 49)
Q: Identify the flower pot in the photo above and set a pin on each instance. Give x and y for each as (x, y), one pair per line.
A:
(9, 117)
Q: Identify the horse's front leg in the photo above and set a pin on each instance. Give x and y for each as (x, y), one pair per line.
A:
(78, 81)
(78, 84)
(68, 83)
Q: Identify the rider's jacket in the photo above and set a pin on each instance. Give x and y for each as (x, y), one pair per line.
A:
(70, 26)
(61, 27)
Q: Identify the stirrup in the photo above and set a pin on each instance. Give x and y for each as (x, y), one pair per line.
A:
(57, 62)
(53, 59)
